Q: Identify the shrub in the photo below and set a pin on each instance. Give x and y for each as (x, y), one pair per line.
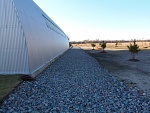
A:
(93, 45)
(103, 45)
(116, 44)
(133, 48)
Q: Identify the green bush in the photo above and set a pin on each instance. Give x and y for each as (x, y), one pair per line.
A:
(103, 45)
(134, 49)
(93, 45)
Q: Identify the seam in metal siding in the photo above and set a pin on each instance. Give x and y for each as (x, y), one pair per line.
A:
(41, 41)
(13, 52)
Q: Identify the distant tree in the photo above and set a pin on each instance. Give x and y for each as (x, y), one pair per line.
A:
(134, 49)
(85, 41)
(93, 45)
(103, 45)
(116, 44)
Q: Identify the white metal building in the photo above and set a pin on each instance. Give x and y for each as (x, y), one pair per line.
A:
(29, 39)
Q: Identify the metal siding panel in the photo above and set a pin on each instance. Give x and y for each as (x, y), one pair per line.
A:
(42, 42)
(4, 43)
(1, 11)
(0, 38)
(13, 57)
(8, 12)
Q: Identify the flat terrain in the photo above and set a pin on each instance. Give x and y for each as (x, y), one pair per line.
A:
(75, 83)
(134, 74)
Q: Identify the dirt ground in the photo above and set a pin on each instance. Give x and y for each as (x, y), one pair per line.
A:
(134, 74)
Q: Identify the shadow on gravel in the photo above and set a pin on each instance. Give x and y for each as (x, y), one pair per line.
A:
(134, 74)
(112, 60)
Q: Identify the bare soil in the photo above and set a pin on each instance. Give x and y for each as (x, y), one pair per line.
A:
(116, 61)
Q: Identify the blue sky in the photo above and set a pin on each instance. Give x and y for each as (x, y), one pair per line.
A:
(100, 19)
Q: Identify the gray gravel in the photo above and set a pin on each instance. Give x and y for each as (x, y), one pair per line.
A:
(75, 83)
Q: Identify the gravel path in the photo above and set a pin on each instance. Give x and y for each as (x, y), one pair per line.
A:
(75, 83)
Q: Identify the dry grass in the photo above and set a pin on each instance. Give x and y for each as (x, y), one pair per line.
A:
(8, 83)
(112, 46)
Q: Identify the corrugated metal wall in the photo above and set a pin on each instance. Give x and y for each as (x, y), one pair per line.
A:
(32, 42)
(13, 50)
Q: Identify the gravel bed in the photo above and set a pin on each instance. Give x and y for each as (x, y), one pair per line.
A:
(75, 83)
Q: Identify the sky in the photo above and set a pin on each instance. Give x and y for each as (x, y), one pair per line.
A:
(100, 19)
